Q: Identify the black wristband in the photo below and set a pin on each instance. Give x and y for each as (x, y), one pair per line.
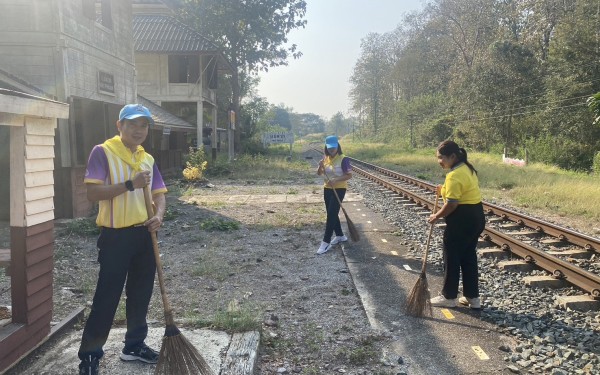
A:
(129, 185)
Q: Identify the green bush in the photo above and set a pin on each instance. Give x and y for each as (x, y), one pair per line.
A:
(596, 164)
(564, 153)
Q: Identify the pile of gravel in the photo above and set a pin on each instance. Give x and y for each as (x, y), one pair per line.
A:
(548, 340)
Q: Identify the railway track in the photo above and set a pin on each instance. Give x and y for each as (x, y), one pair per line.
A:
(512, 232)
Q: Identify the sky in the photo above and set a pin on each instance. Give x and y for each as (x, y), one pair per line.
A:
(318, 82)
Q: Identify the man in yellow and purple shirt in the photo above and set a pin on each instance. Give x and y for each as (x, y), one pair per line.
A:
(118, 170)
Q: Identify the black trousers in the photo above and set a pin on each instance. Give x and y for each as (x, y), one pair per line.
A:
(126, 258)
(463, 227)
(333, 210)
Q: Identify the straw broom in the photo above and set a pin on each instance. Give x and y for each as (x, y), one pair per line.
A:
(177, 354)
(419, 296)
(354, 235)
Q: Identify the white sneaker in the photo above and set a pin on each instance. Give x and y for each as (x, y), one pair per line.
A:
(337, 239)
(324, 248)
(441, 301)
(473, 303)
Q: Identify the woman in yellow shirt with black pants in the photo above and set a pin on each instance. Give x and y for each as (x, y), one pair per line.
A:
(336, 171)
(465, 220)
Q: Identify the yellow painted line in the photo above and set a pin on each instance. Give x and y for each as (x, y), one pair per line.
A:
(369, 221)
(393, 252)
(364, 214)
(375, 229)
(447, 314)
(480, 353)
(383, 240)
(407, 267)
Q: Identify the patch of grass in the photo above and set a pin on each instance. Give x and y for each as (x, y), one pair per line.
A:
(272, 167)
(311, 370)
(188, 191)
(84, 226)
(219, 224)
(237, 318)
(292, 191)
(365, 352)
(210, 265)
(275, 344)
(215, 204)
(314, 337)
(538, 186)
(170, 214)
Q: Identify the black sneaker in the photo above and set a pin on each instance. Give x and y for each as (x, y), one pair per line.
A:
(141, 353)
(89, 366)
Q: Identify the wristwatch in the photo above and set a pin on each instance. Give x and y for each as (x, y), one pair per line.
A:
(129, 185)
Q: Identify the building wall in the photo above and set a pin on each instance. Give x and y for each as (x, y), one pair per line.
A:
(31, 137)
(90, 47)
(153, 81)
(52, 45)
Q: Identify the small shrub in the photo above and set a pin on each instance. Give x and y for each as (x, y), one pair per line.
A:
(170, 214)
(220, 225)
(195, 165)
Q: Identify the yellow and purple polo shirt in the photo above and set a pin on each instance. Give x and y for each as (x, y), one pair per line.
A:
(129, 208)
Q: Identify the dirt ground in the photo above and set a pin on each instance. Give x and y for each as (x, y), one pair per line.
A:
(240, 266)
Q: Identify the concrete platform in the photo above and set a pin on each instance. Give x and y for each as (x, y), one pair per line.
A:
(59, 355)
(453, 341)
(225, 353)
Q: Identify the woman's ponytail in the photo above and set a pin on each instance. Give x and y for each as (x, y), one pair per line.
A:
(448, 148)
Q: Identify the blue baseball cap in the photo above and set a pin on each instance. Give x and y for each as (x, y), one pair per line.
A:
(331, 142)
(132, 111)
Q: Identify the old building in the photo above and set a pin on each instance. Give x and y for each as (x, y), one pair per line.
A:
(81, 52)
(177, 69)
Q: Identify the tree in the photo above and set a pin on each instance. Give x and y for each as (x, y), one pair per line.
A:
(282, 117)
(307, 123)
(253, 34)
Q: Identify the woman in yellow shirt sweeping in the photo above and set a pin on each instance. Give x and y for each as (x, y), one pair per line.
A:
(465, 220)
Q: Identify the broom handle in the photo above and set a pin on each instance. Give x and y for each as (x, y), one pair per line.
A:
(159, 269)
(435, 205)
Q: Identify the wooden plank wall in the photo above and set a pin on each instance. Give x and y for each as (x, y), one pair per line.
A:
(32, 237)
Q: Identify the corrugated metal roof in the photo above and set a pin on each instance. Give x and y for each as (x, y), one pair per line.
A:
(164, 33)
(164, 118)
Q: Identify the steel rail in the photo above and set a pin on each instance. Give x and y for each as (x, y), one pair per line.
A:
(560, 269)
(589, 243)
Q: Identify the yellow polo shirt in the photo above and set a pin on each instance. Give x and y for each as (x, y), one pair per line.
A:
(461, 186)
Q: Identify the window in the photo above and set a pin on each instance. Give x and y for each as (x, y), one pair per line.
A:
(184, 69)
(99, 11)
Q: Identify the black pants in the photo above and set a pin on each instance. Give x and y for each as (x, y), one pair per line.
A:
(125, 254)
(333, 210)
(463, 227)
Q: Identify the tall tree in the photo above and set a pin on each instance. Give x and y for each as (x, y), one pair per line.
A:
(253, 34)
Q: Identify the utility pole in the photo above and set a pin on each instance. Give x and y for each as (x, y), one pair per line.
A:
(411, 117)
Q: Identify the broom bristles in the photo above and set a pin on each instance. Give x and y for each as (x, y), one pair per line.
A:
(354, 235)
(419, 298)
(179, 356)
